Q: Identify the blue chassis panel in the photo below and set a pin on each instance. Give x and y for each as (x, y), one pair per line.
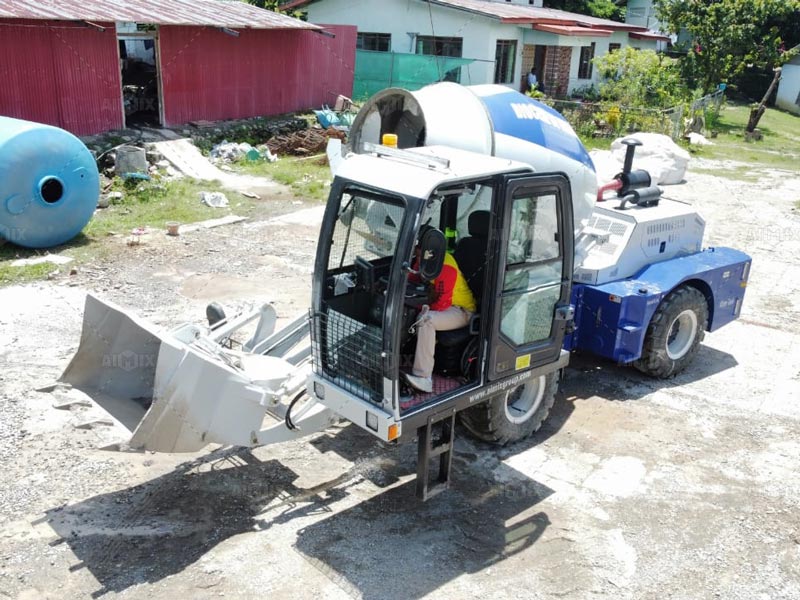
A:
(611, 320)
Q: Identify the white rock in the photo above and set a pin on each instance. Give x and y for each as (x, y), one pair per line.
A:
(55, 259)
(698, 139)
(214, 199)
(658, 154)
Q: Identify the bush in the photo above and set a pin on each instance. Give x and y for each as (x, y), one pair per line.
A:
(640, 79)
(588, 93)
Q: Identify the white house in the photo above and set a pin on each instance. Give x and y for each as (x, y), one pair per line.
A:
(506, 39)
(789, 87)
(642, 13)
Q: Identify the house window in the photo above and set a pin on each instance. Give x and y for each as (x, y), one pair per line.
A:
(585, 64)
(379, 42)
(612, 47)
(442, 46)
(505, 55)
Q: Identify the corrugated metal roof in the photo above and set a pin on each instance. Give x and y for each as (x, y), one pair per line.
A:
(514, 13)
(215, 13)
(649, 35)
(573, 30)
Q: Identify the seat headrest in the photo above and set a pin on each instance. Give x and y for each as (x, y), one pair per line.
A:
(478, 223)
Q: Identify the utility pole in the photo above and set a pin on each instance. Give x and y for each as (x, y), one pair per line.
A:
(758, 111)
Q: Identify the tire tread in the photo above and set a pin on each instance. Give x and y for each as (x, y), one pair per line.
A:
(654, 360)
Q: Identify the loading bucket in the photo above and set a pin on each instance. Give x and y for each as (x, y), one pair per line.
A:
(116, 361)
(173, 395)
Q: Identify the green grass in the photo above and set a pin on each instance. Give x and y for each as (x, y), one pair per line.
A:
(152, 205)
(145, 205)
(779, 148)
(596, 143)
(309, 178)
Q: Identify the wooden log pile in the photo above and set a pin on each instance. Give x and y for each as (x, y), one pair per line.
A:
(304, 143)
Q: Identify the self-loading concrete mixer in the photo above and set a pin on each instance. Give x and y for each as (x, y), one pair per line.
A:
(506, 187)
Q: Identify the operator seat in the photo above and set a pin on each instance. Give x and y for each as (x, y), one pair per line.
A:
(470, 254)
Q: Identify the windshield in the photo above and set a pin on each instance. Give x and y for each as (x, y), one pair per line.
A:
(367, 226)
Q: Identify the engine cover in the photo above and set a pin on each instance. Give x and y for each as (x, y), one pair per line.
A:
(622, 242)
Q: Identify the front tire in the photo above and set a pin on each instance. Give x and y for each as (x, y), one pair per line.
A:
(674, 334)
(513, 415)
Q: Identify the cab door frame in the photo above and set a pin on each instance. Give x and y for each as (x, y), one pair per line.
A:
(505, 356)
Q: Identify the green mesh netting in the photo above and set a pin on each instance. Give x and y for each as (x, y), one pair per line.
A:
(376, 71)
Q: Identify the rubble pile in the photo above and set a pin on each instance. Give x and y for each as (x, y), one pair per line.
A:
(251, 131)
(227, 151)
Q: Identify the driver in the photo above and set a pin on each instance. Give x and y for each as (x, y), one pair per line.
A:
(452, 305)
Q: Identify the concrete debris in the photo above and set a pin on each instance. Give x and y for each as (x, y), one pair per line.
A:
(212, 223)
(113, 198)
(95, 423)
(214, 199)
(55, 259)
(266, 153)
(698, 139)
(227, 151)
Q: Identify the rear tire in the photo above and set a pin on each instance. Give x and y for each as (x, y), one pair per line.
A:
(674, 334)
(513, 415)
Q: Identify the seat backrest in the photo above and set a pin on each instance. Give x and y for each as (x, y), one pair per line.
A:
(470, 252)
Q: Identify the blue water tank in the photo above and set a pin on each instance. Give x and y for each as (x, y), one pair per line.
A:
(49, 184)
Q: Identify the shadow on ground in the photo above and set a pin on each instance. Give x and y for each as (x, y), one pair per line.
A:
(145, 533)
(391, 546)
(154, 530)
(589, 376)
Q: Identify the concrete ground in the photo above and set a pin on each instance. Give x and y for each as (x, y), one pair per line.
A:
(635, 488)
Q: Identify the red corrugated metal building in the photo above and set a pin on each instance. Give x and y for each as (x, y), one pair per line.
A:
(60, 62)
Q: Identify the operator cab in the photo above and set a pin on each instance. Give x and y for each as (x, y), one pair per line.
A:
(505, 227)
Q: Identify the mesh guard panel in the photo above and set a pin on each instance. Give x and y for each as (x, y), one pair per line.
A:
(348, 353)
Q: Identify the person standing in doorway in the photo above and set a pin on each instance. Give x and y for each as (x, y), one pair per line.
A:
(532, 80)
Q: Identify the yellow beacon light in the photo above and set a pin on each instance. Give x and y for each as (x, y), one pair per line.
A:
(390, 140)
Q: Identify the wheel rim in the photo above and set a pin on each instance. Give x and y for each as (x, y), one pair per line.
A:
(524, 400)
(681, 334)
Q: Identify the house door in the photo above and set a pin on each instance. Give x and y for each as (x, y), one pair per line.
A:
(540, 57)
(141, 89)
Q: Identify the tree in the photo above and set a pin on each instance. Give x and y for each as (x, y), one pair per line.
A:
(268, 4)
(275, 5)
(603, 9)
(640, 78)
(728, 37)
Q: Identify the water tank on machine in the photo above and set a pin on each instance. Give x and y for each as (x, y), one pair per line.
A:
(49, 184)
